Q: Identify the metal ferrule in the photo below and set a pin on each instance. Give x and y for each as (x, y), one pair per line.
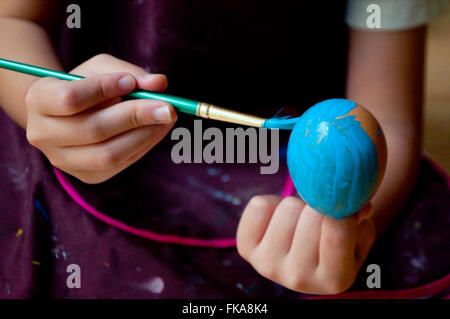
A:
(213, 112)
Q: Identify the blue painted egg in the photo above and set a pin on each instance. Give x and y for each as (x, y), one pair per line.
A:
(336, 157)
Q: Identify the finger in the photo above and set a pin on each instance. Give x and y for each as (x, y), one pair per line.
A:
(281, 228)
(100, 125)
(64, 98)
(105, 63)
(366, 235)
(112, 153)
(306, 241)
(337, 245)
(254, 222)
(91, 177)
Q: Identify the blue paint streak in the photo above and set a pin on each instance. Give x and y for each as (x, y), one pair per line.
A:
(41, 209)
(332, 161)
(282, 123)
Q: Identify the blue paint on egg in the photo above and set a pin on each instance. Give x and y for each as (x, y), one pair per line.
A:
(332, 160)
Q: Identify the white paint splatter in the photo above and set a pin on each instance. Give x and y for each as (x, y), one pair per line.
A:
(323, 130)
(228, 197)
(155, 285)
(419, 263)
(59, 251)
(236, 201)
(213, 171)
(55, 252)
(18, 177)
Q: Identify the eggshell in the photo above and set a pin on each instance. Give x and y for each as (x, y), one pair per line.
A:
(336, 157)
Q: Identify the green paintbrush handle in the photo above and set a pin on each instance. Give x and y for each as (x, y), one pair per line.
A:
(181, 104)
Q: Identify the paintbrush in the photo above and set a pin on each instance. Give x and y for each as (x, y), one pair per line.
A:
(201, 109)
(336, 153)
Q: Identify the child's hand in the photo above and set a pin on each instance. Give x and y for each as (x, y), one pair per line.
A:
(83, 127)
(288, 242)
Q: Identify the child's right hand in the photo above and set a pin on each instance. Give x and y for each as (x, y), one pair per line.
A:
(85, 129)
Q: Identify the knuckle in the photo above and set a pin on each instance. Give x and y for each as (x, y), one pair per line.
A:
(134, 158)
(296, 280)
(107, 159)
(91, 179)
(135, 116)
(294, 275)
(243, 250)
(56, 161)
(335, 237)
(67, 98)
(101, 56)
(30, 96)
(332, 282)
(266, 269)
(292, 203)
(263, 262)
(336, 286)
(34, 92)
(33, 137)
(95, 130)
(259, 201)
(103, 90)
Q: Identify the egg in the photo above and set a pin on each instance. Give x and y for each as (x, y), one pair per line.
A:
(336, 157)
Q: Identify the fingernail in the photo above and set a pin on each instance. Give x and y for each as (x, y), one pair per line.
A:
(126, 83)
(162, 114)
(153, 76)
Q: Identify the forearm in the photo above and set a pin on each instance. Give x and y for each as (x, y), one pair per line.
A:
(385, 75)
(399, 179)
(28, 42)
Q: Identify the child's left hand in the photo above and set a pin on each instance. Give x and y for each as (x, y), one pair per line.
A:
(288, 242)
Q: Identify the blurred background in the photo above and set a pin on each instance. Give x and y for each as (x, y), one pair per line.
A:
(437, 92)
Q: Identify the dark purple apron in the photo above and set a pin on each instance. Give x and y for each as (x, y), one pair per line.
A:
(241, 54)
